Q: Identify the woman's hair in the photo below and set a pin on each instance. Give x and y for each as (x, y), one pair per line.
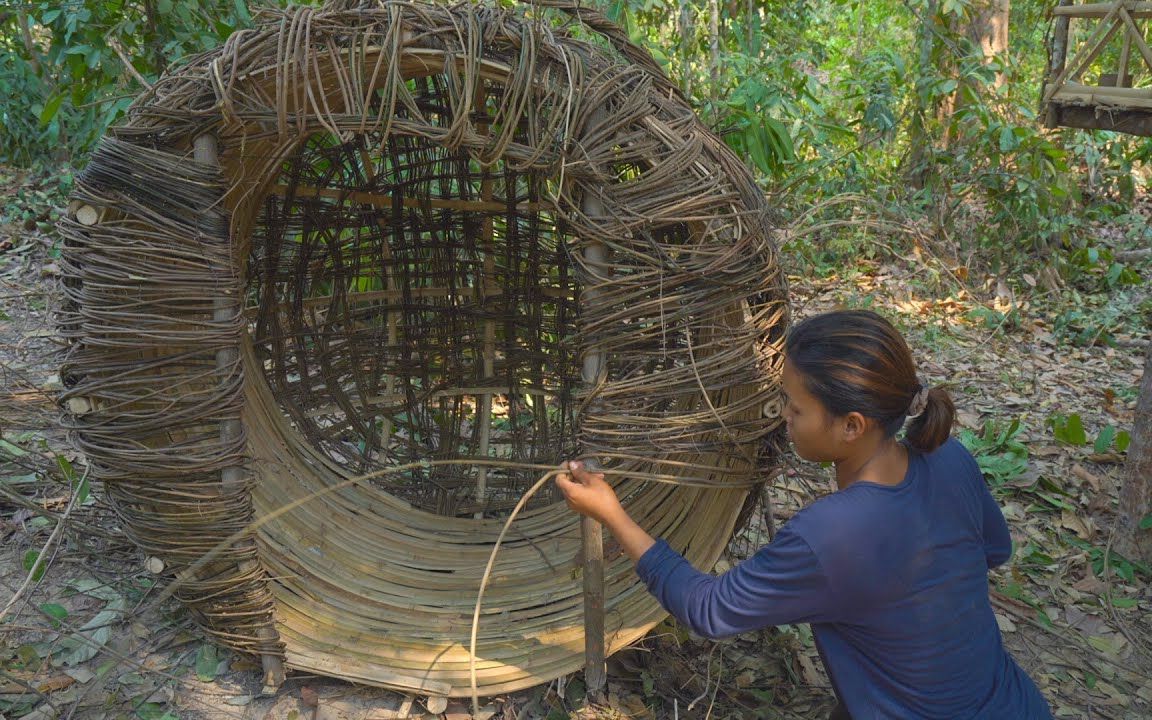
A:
(855, 361)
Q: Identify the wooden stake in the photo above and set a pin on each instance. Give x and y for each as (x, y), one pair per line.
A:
(488, 271)
(225, 307)
(592, 534)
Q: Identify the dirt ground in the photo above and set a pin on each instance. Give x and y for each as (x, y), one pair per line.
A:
(84, 639)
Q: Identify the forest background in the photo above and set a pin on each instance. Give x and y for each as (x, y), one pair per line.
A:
(903, 146)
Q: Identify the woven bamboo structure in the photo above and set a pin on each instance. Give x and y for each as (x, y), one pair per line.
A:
(1105, 82)
(385, 239)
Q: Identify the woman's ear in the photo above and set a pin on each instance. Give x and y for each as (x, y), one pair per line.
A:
(854, 426)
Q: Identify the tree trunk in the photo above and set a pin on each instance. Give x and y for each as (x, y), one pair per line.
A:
(916, 168)
(989, 30)
(26, 36)
(714, 33)
(686, 44)
(1136, 495)
(152, 21)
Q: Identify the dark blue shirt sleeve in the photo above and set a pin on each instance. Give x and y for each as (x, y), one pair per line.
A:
(997, 538)
(781, 584)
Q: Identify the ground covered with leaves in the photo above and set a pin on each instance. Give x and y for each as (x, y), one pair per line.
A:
(1044, 370)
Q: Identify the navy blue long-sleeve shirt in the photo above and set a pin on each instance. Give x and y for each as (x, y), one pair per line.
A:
(894, 581)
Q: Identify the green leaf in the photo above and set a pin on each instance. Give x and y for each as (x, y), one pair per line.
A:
(30, 559)
(1104, 439)
(50, 109)
(58, 613)
(96, 633)
(1146, 523)
(12, 451)
(1123, 439)
(207, 663)
(1008, 139)
(83, 491)
(1124, 602)
(66, 468)
(1069, 430)
(152, 711)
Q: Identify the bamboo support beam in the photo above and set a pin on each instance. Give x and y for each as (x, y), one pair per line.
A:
(225, 307)
(1134, 35)
(1125, 56)
(1105, 91)
(385, 200)
(1099, 10)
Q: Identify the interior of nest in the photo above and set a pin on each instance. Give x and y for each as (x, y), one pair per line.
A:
(407, 303)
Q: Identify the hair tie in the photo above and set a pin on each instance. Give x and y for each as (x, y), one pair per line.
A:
(919, 402)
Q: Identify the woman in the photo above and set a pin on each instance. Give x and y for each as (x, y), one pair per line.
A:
(891, 570)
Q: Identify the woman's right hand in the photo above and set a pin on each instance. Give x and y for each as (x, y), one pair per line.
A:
(588, 493)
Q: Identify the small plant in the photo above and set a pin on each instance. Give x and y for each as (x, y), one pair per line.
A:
(993, 319)
(1105, 560)
(1110, 438)
(1000, 455)
(1069, 430)
(1085, 327)
(1096, 267)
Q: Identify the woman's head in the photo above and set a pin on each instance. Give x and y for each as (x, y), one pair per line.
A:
(855, 361)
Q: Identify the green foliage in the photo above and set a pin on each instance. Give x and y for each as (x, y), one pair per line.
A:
(998, 451)
(207, 663)
(34, 565)
(1110, 438)
(893, 101)
(1104, 560)
(1096, 319)
(68, 70)
(1095, 268)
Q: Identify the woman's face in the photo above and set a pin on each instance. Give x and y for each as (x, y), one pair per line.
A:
(810, 426)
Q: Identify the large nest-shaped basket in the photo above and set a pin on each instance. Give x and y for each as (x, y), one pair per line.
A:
(445, 248)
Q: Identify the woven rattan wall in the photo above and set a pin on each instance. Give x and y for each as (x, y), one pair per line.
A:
(384, 240)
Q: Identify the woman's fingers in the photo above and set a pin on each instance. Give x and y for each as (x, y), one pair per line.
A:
(581, 475)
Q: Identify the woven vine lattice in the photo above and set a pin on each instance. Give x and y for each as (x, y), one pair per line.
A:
(359, 238)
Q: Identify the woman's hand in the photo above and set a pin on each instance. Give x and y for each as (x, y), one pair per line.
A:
(588, 493)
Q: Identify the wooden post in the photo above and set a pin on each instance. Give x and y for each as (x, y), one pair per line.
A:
(1058, 55)
(488, 271)
(226, 306)
(592, 534)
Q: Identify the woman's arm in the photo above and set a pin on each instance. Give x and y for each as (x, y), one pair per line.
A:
(782, 583)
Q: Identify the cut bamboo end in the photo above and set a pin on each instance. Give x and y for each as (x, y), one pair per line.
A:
(436, 704)
(87, 215)
(79, 406)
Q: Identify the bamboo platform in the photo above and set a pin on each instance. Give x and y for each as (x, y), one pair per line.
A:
(1121, 98)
